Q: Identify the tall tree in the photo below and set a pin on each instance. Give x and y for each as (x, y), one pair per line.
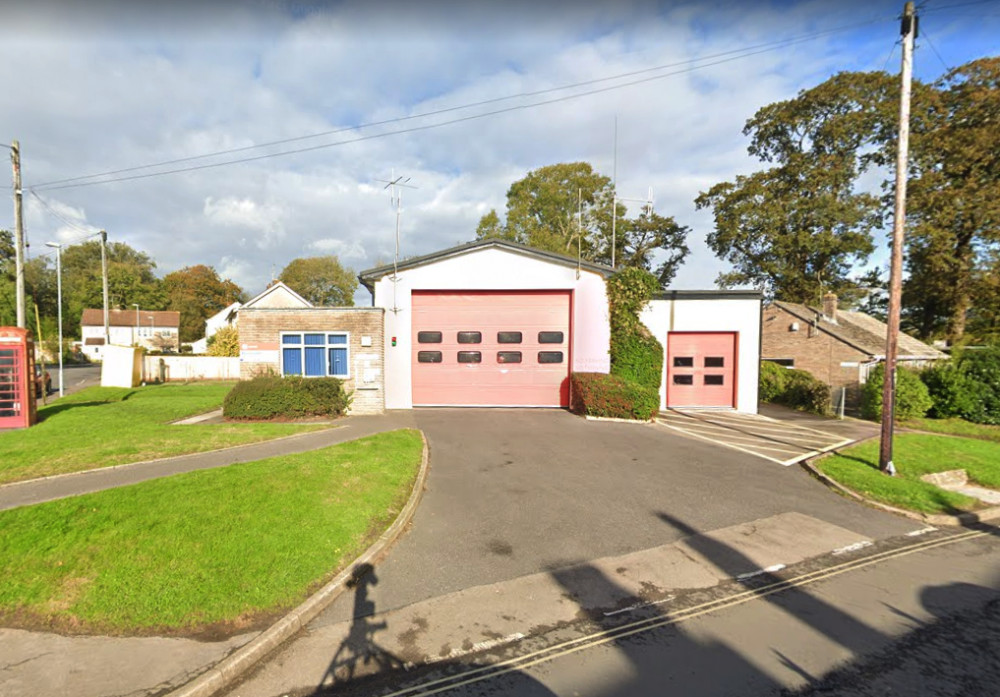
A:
(321, 280)
(197, 293)
(953, 207)
(567, 208)
(799, 227)
(131, 279)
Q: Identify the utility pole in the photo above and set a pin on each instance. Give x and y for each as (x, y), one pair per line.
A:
(396, 198)
(908, 29)
(58, 247)
(15, 160)
(104, 284)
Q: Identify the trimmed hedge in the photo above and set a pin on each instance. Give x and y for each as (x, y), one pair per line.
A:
(275, 397)
(912, 398)
(793, 388)
(610, 396)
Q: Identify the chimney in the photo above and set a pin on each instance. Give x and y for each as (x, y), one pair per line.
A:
(830, 306)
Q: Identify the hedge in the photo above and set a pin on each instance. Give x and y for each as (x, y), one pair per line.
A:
(610, 396)
(912, 398)
(793, 388)
(275, 397)
(967, 387)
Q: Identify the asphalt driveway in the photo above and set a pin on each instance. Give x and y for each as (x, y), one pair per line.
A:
(515, 492)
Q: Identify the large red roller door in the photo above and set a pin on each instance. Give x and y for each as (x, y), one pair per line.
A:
(701, 369)
(491, 348)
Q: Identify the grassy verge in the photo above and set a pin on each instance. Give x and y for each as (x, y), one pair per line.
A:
(102, 426)
(914, 455)
(209, 551)
(956, 427)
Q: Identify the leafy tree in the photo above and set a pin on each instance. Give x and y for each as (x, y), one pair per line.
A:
(197, 293)
(321, 280)
(225, 342)
(567, 208)
(799, 227)
(953, 203)
(131, 279)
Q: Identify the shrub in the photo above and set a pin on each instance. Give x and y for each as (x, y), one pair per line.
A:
(793, 388)
(773, 379)
(912, 397)
(636, 355)
(225, 342)
(274, 397)
(952, 391)
(610, 396)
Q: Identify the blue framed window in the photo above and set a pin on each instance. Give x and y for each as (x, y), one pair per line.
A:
(315, 354)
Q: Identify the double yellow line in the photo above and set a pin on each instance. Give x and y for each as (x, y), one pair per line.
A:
(478, 674)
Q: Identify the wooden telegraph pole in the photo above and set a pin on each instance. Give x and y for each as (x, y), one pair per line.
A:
(908, 30)
(104, 286)
(15, 160)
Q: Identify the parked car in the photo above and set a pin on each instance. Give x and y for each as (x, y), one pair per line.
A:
(43, 381)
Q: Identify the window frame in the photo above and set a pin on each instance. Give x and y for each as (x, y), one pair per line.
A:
(326, 346)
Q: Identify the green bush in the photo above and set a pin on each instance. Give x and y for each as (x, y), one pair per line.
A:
(982, 368)
(275, 397)
(952, 392)
(793, 388)
(610, 396)
(912, 398)
(773, 378)
(636, 355)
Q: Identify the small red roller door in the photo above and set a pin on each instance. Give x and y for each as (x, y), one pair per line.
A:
(491, 348)
(701, 369)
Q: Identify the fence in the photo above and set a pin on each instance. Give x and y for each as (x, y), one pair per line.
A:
(179, 368)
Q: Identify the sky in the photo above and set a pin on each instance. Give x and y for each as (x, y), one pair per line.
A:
(461, 98)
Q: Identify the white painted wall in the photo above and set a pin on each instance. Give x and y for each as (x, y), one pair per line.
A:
(740, 315)
(491, 269)
(191, 368)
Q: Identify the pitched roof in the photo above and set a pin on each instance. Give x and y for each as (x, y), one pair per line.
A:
(127, 318)
(863, 332)
(368, 277)
(273, 288)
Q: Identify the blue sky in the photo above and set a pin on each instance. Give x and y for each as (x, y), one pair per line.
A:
(107, 85)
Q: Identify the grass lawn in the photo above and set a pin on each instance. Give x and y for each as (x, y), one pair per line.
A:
(916, 454)
(102, 426)
(956, 427)
(208, 551)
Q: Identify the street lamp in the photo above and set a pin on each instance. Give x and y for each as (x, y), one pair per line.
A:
(135, 338)
(58, 248)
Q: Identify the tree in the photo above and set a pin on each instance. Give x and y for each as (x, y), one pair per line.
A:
(799, 227)
(197, 293)
(567, 208)
(225, 342)
(131, 279)
(321, 280)
(953, 206)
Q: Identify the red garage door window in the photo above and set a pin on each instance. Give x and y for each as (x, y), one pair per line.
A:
(484, 348)
(701, 369)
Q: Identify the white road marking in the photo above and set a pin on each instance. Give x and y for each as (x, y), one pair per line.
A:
(921, 531)
(639, 605)
(852, 548)
(769, 570)
(478, 646)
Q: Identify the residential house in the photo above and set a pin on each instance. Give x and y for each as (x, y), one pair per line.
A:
(276, 295)
(836, 346)
(157, 330)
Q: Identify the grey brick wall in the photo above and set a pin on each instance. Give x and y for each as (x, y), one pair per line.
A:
(261, 328)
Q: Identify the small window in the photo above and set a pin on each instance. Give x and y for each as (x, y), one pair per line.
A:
(550, 337)
(340, 339)
(550, 356)
(291, 339)
(509, 338)
(714, 380)
(508, 356)
(470, 338)
(715, 362)
(428, 337)
(470, 357)
(315, 339)
(684, 379)
(428, 356)
(684, 361)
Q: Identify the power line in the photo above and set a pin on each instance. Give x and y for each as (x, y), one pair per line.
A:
(927, 38)
(54, 212)
(741, 53)
(957, 4)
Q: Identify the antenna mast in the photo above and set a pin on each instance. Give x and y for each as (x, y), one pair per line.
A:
(395, 183)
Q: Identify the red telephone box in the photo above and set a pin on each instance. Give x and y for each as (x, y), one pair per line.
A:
(17, 378)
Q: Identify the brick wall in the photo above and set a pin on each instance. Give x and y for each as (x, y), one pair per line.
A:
(814, 351)
(260, 334)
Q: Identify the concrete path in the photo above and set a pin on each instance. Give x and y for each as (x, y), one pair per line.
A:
(61, 486)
